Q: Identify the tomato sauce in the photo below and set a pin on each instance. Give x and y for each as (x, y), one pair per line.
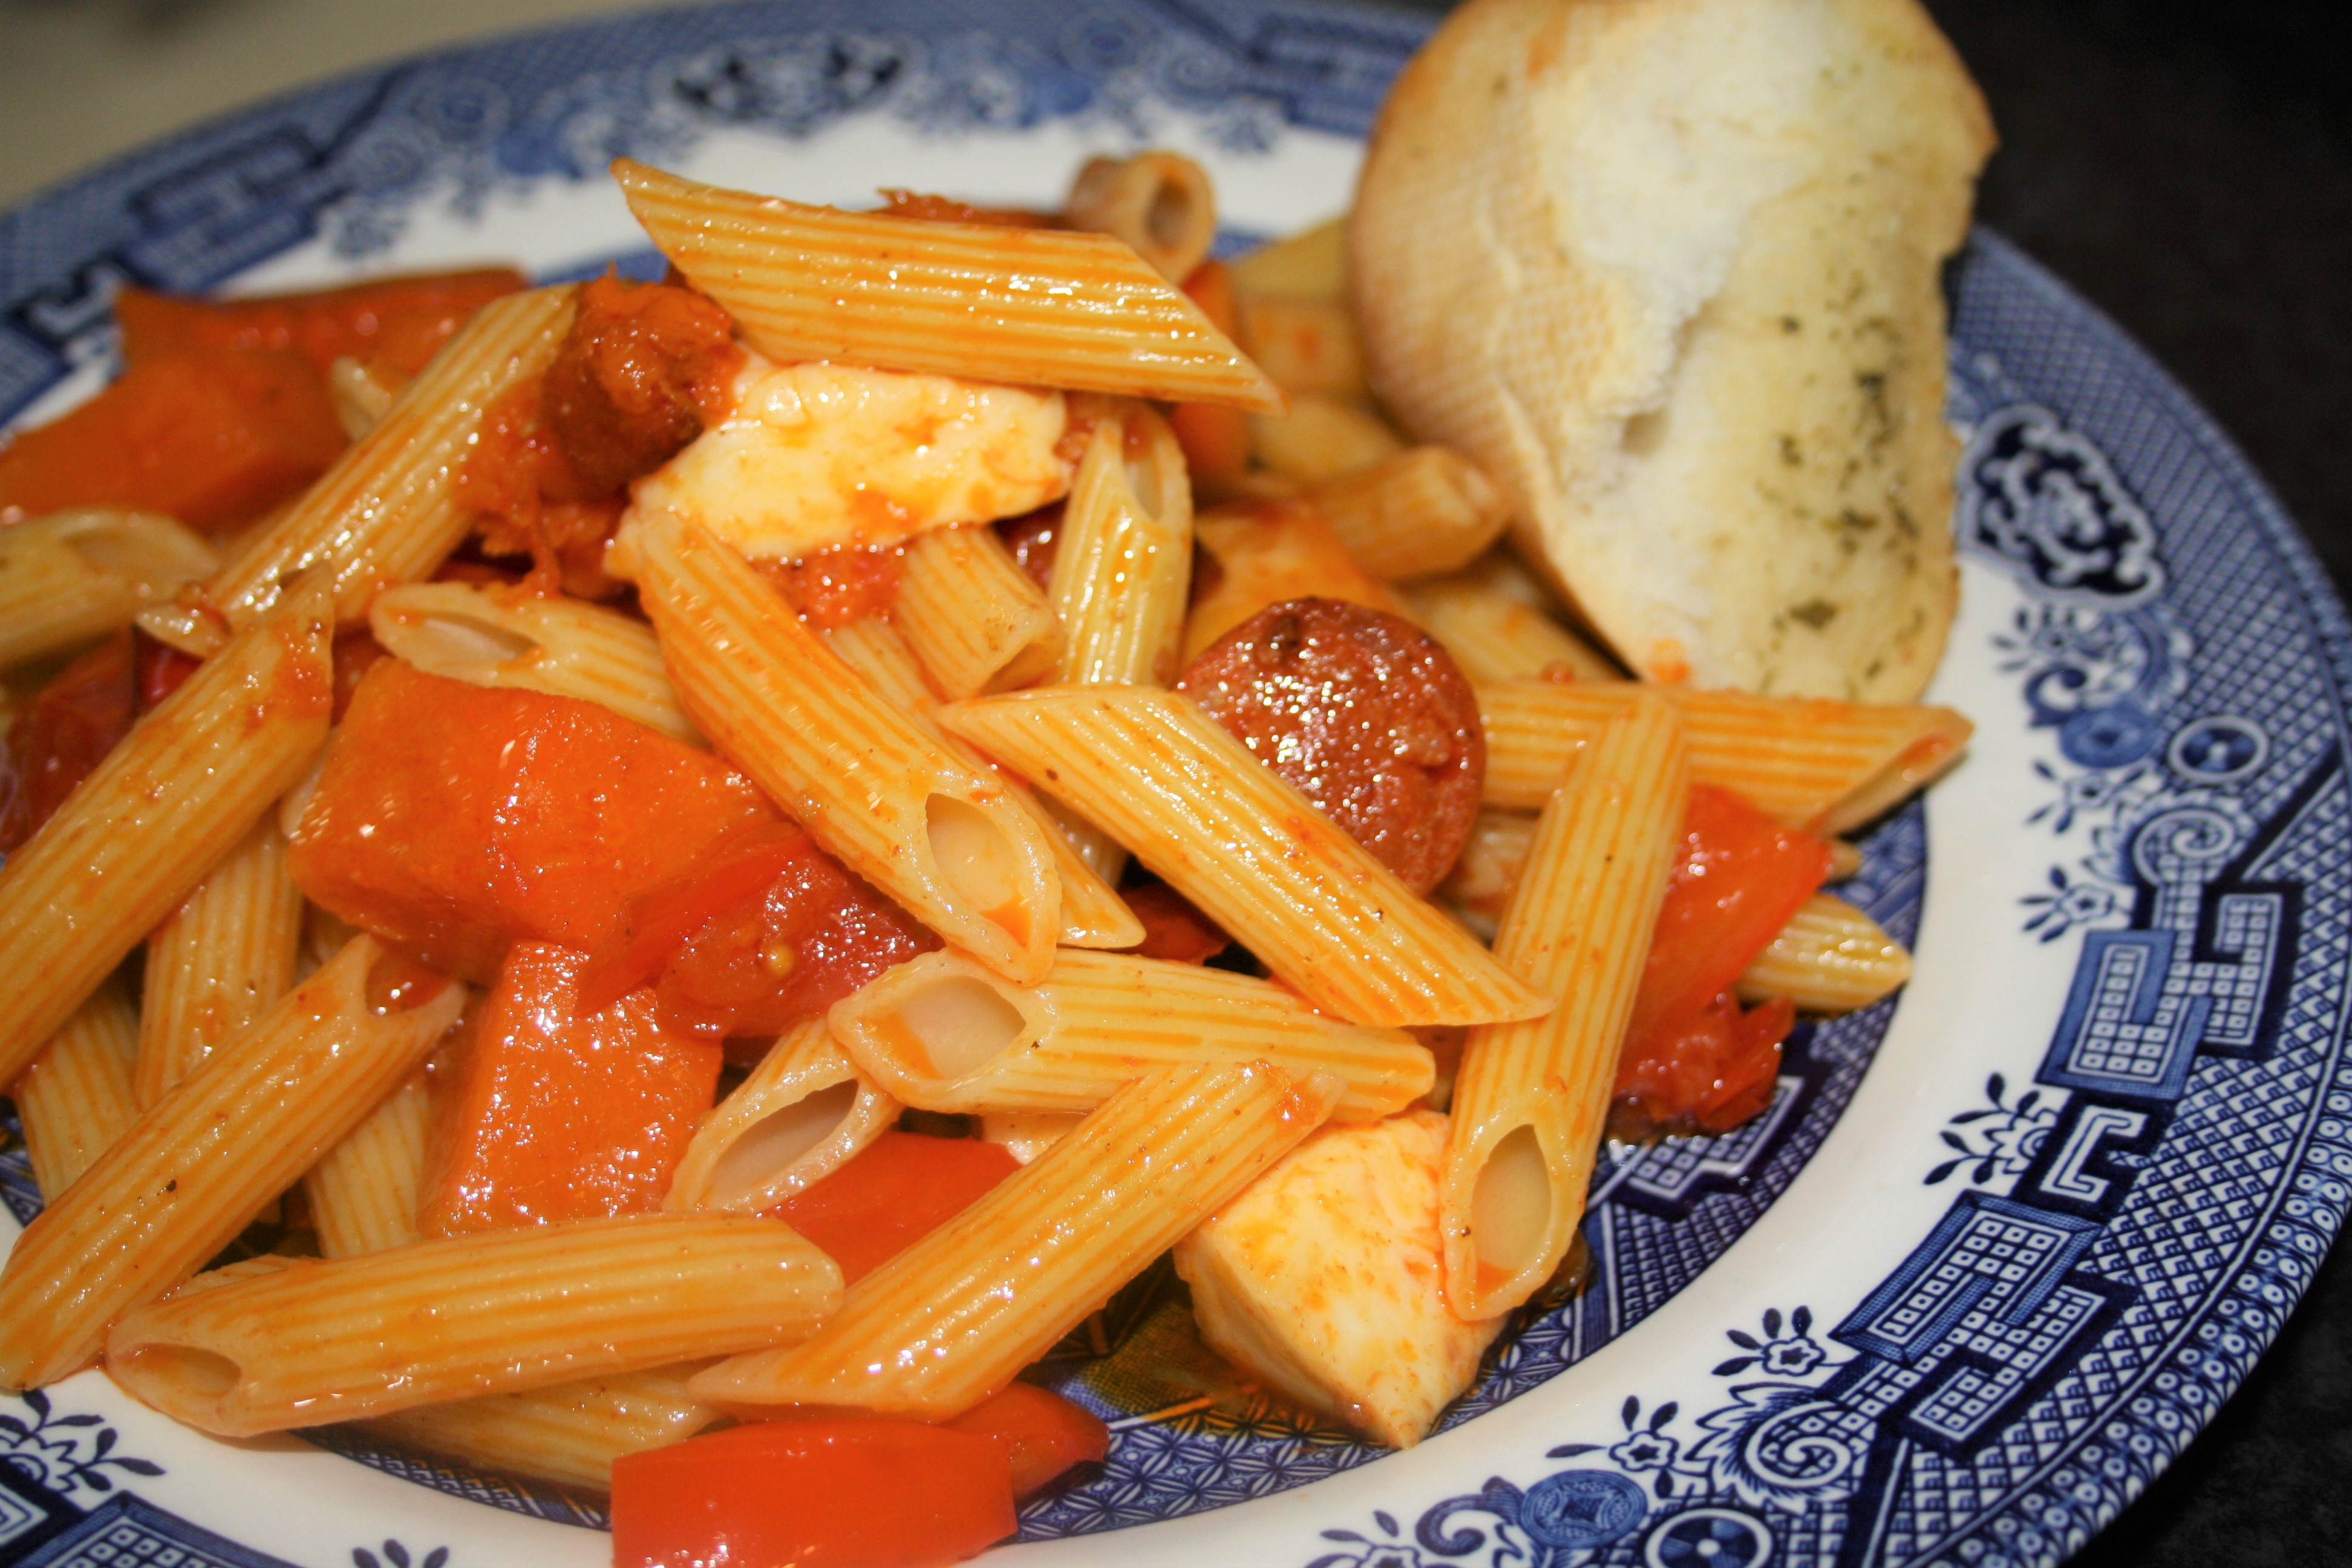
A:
(63, 733)
(842, 585)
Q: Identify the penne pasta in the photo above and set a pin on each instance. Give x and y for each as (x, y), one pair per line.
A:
(179, 792)
(363, 391)
(1425, 511)
(1530, 1098)
(1807, 762)
(320, 1341)
(1269, 551)
(1830, 958)
(363, 1191)
(387, 511)
(1158, 202)
(1250, 851)
(489, 637)
(1093, 914)
(1025, 1134)
(941, 1033)
(944, 839)
(805, 1111)
(75, 1099)
(972, 616)
(1306, 345)
(949, 1320)
(73, 576)
(1492, 619)
(199, 1163)
(1024, 307)
(1321, 438)
(569, 1433)
(218, 961)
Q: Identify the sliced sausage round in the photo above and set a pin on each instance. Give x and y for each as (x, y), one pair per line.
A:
(1365, 715)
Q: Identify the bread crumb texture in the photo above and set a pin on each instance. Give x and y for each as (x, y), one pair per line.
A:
(1670, 270)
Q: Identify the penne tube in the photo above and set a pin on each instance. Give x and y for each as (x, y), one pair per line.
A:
(74, 575)
(363, 391)
(492, 637)
(1093, 914)
(1309, 265)
(1023, 307)
(1321, 438)
(944, 839)
(1250, 851)
(1530, 1098)
(75, 1099)
(363, 1191)
(198, 1164)
(568, 1433)
(1161, 203)
(1025, 1134)
(1266, 552)
(1807, 762)
(1423, 512)
(354, 1338)
(1123, 556)
(951, 1319)
(163, 809)
(1492, 620)
(805, 1111)
(941, 1033)
(386, 512)
(218, 961)
(1830, 958)
(1306, 345)
(973, 617)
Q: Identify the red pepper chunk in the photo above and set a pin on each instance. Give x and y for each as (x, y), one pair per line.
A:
(898, 1189)
(1042, 1433)
(560, 1112)
(400, 321)
(813, 1492)
(454, 821)
(63, 733)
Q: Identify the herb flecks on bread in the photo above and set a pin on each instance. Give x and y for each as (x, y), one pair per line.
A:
(1669, 270)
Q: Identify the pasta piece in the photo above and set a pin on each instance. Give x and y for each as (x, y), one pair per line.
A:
(804, 1113)
(1530, 1098)
(1307, 345)
(1093, 914)
(75, 1099)
(1266, 552)
(1846, 860)
(569, 1433)
(1807, 763)
(1492, 620)
(485, 636)
(973, 616)
(363, 391)
(949, 1320)
(196, 1166)
(1249, 851)
(941, 1033)
(1479, 887)
(1027, 1134)
(1158, 202)
(387, 512)
(1321, 438)
(1421, 512)
(470, 1316)
(1025, 307)
(1309, 265)
(73, 576)
(218, 961)
(944, 839)
(164, 808)
(363, 1191)
(1830, 958)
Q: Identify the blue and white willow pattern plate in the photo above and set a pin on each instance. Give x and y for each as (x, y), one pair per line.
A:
(1999, 1248)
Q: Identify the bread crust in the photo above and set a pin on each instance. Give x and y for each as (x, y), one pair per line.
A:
(1669, 270)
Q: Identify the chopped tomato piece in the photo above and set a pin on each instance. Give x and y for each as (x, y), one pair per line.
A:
(813, 1492)
(1032, 539)
(1042, 1433)
(211, 439)
(1709, 1076)
(899, 1189)
(765, 930)
(645, 368)
(64, 733)
(1172, 928)
(1217, 440)
(837, 586)
(162, 668)
(560, 1113)
(400, 321)
(454, 820)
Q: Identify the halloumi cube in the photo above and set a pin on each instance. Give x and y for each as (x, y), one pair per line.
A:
(1325, 1279)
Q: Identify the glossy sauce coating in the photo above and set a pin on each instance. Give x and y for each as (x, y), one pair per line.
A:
(1364, 715)
(643, 371)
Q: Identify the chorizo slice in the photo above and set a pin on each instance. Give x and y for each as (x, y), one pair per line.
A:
(1365, 715)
